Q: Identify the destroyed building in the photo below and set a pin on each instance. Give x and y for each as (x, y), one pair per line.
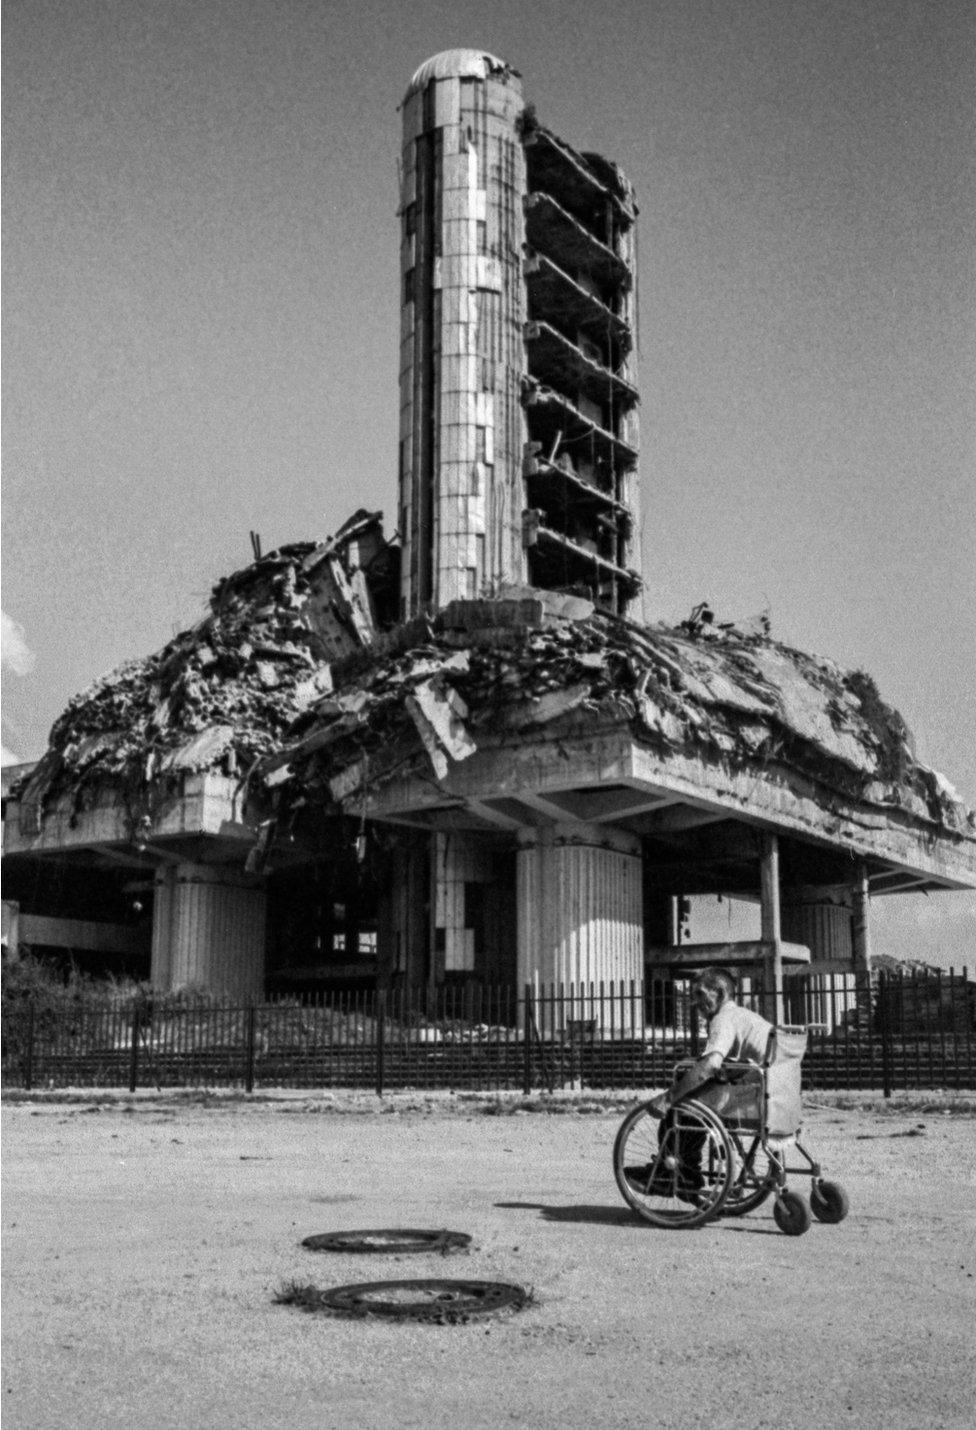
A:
(455, 756)
(518, 409)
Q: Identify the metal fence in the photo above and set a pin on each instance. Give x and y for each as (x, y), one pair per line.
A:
(889, 1033)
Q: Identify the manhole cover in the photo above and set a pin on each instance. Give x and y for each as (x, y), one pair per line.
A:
(396, 1241)
(431, 1299)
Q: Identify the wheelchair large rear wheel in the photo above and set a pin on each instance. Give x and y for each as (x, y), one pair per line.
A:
(661, 1174)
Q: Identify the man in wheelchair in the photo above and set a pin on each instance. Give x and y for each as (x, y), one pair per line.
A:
(735, 1034)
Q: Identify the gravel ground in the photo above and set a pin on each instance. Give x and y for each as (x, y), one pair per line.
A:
(144, 1240)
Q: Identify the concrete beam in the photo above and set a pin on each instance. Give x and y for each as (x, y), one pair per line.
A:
(88, 934)
(897, 883)
(778, 800)
(680, 818)
(207, 801)
(552, 808)
(744, 953)
(607, 806)
(126, 859)
(483, 810)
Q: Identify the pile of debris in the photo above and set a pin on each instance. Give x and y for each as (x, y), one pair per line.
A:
(298, 682)
(223, 694)
(491, 672)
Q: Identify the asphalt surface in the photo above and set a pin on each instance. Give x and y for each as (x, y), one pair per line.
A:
(143, 1248)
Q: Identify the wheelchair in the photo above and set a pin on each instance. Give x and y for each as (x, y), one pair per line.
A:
(723, 1152)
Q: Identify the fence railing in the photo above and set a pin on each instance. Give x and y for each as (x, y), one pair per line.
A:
(888, 1033)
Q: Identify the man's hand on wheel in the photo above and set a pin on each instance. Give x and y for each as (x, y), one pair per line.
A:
(659, 1105)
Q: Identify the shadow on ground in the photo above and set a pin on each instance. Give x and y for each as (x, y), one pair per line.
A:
(620, 1216)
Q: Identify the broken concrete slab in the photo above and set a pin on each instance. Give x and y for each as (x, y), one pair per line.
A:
(202, 752)
(546, 708)
(740, 695)
(252, 665)
(438, 713)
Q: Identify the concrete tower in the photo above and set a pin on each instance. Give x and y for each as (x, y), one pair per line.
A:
(518, 433)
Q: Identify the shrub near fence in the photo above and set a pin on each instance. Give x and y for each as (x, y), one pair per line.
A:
(898, 1032)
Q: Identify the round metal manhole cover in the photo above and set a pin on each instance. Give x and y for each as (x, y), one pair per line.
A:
(430, 1299)
(395, 1241)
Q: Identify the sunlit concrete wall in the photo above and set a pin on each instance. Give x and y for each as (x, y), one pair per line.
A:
(580, 914)
(461, 421)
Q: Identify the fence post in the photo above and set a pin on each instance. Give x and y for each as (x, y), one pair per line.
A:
(885, 1031)
(250, 1022)
(380, 1040)
(528, 1021)
(134, 1047)
(29, 1050)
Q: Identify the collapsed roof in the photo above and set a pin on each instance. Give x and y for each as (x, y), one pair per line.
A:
(299, 686)
(223, 693)
(493, 672)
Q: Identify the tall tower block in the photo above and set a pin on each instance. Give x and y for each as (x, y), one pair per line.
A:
(518, 433)
(463, 177)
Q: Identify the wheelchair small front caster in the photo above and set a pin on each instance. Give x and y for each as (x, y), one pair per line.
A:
(791, 1214)
(828, 1201)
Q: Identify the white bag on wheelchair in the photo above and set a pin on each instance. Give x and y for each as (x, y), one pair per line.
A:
(737, 1097)
(784, 1111)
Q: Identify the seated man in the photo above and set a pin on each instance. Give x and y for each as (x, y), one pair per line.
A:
(734, 1033)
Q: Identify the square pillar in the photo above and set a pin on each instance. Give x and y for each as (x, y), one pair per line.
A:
(771, 929)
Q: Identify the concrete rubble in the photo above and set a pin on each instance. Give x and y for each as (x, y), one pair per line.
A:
(299, 682)
(490, 671)
(224, 693)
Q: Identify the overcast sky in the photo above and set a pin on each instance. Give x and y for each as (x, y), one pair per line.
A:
(201, 317)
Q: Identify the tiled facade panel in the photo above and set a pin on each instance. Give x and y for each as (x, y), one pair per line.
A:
(580, 908)
(447, 103)
(458, 861)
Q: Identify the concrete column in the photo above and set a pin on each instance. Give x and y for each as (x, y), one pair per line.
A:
(580, 914)
(405, 928)
(771, 930)
(209, 930)
(861, 923)
(821, 918)
(161, 956)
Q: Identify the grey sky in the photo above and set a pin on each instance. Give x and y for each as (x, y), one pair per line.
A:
(201, 315)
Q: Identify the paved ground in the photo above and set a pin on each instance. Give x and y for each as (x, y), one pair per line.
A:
(143, 1246)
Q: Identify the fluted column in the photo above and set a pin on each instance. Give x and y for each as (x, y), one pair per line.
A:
(580, 917)
(208, 930)
(821, 919)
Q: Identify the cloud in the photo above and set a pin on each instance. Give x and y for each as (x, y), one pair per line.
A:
(17, 654)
